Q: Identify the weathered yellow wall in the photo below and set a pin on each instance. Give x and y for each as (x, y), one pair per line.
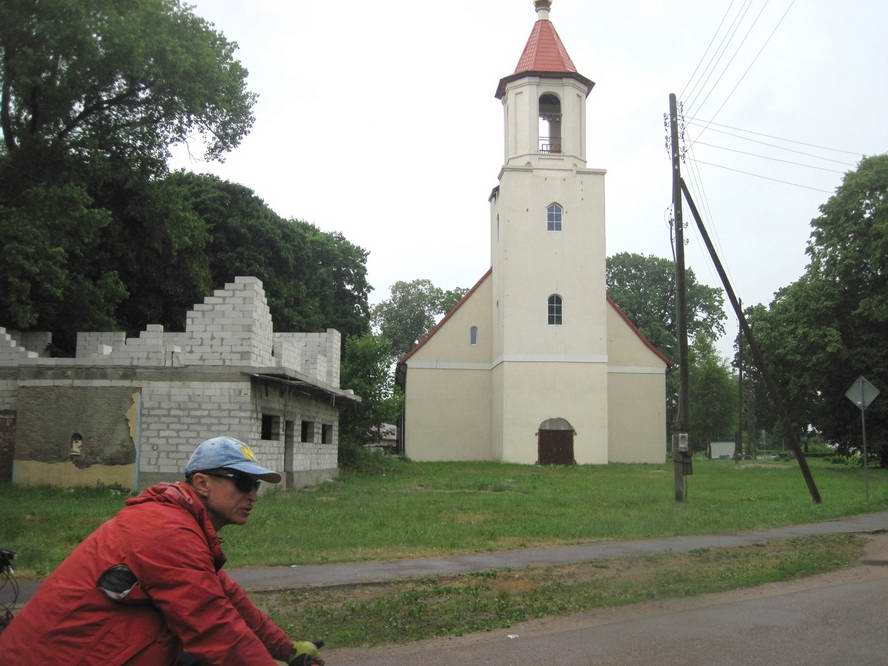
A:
(449, 388)
(636, 396)
(66, 475)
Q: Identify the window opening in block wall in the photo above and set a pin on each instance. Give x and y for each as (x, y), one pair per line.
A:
(289, 439)
(326, 433)
(308, 431)
(271, 427)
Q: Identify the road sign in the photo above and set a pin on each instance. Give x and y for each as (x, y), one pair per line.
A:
(861, 392)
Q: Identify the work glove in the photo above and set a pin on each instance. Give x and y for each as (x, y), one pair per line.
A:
(306, 653)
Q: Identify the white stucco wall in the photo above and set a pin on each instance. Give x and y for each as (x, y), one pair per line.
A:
(636, 396)
(448, 402)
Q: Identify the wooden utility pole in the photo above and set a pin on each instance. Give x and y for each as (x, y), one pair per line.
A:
(681, 455)
(738, 454)
(775, 391)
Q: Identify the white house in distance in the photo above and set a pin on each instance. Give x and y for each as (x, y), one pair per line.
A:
(537, 363)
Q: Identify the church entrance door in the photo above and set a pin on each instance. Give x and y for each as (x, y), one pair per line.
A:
(555, 443)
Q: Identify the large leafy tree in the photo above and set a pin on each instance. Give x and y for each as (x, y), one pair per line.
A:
(103, 78)
(313, 279)
(827, 328)
(366, 369)
(644, 287)
(92, 95)
(411, 311)
(712, 397)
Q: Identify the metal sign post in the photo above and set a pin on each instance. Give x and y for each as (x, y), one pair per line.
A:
(862, 393)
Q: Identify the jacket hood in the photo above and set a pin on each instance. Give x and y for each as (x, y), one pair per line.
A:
(182, 495)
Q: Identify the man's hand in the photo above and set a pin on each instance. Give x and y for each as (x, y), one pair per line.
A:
(306, 653)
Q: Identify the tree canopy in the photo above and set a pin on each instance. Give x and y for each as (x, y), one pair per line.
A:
(827, 328)
(644, 287)
(411, 311)
(99, 79)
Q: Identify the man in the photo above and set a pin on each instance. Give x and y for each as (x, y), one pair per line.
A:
(147, 587)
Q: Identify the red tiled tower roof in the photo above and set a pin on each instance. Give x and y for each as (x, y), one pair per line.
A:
(544, 51)
(544, 54)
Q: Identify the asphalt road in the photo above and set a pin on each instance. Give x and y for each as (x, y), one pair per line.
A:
(835, 618)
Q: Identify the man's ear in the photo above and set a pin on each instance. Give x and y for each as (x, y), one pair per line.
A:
(201, 484)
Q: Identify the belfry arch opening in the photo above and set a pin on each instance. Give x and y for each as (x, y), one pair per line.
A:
(550, 124)
(555, 442)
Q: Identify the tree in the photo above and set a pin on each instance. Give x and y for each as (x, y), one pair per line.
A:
(827, 328)
(411, 311)
(92, 95)
(98, 79)
(644, 287)
(313, 279)
(366, 369)
(712, 399)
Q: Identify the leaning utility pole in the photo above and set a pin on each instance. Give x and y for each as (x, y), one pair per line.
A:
(681, 455)
(738, 453)
(775, 391)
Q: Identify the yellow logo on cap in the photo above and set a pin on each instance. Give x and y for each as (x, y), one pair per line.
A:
(248, 453)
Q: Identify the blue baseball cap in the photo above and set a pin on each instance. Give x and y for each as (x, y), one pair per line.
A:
(228, 453)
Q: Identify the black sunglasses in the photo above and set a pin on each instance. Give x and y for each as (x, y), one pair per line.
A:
(244, 483)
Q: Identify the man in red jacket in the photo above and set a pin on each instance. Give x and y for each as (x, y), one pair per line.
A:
(147, 587)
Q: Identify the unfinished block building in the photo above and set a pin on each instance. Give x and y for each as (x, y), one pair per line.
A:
(129, 411)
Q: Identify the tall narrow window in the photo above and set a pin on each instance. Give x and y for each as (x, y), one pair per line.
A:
(473, 335)
(550, 124)
(553, 217)
(555, 309)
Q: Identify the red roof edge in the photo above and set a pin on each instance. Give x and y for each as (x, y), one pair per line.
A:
(641, 336)
(434, 329)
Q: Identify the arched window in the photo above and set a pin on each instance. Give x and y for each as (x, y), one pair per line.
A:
(550, 124)
(473, 335)
(553, 217)
(555, 310)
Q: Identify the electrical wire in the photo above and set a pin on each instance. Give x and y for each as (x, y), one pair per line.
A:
(736, 51)
(758, 175)
(695, 174)
(766, 157)
(773, 145)
(703, 57)
(720, 51)
(700, 121)
(746, 71)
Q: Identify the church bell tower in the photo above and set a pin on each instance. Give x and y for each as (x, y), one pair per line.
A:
(548, 257)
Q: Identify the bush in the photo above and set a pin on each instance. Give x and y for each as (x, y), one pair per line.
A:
(359, 458)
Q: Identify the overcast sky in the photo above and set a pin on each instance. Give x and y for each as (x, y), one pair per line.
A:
(378, 120)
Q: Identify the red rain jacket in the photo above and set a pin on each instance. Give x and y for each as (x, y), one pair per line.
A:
(181, 599)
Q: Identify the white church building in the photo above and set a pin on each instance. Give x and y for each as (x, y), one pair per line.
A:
(536, 364)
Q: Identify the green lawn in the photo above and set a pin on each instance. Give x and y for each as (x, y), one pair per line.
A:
(425, 509)
(417, 609)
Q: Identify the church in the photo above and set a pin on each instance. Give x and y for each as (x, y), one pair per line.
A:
(536, 364)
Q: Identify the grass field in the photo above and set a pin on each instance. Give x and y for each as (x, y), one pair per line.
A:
(413, 610)
(426, 509)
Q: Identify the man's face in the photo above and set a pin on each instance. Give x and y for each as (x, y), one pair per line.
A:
(227, 504)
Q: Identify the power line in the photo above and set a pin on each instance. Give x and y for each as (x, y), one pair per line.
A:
(702, 57)
(771, 136)
(766, 157)
(746, 71)
(757, 175)
(720, 51)
(774, 145)
(736, 51)
(698, 178)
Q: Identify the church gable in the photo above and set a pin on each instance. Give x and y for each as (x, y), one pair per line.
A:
(626, 345)
(463, 336)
